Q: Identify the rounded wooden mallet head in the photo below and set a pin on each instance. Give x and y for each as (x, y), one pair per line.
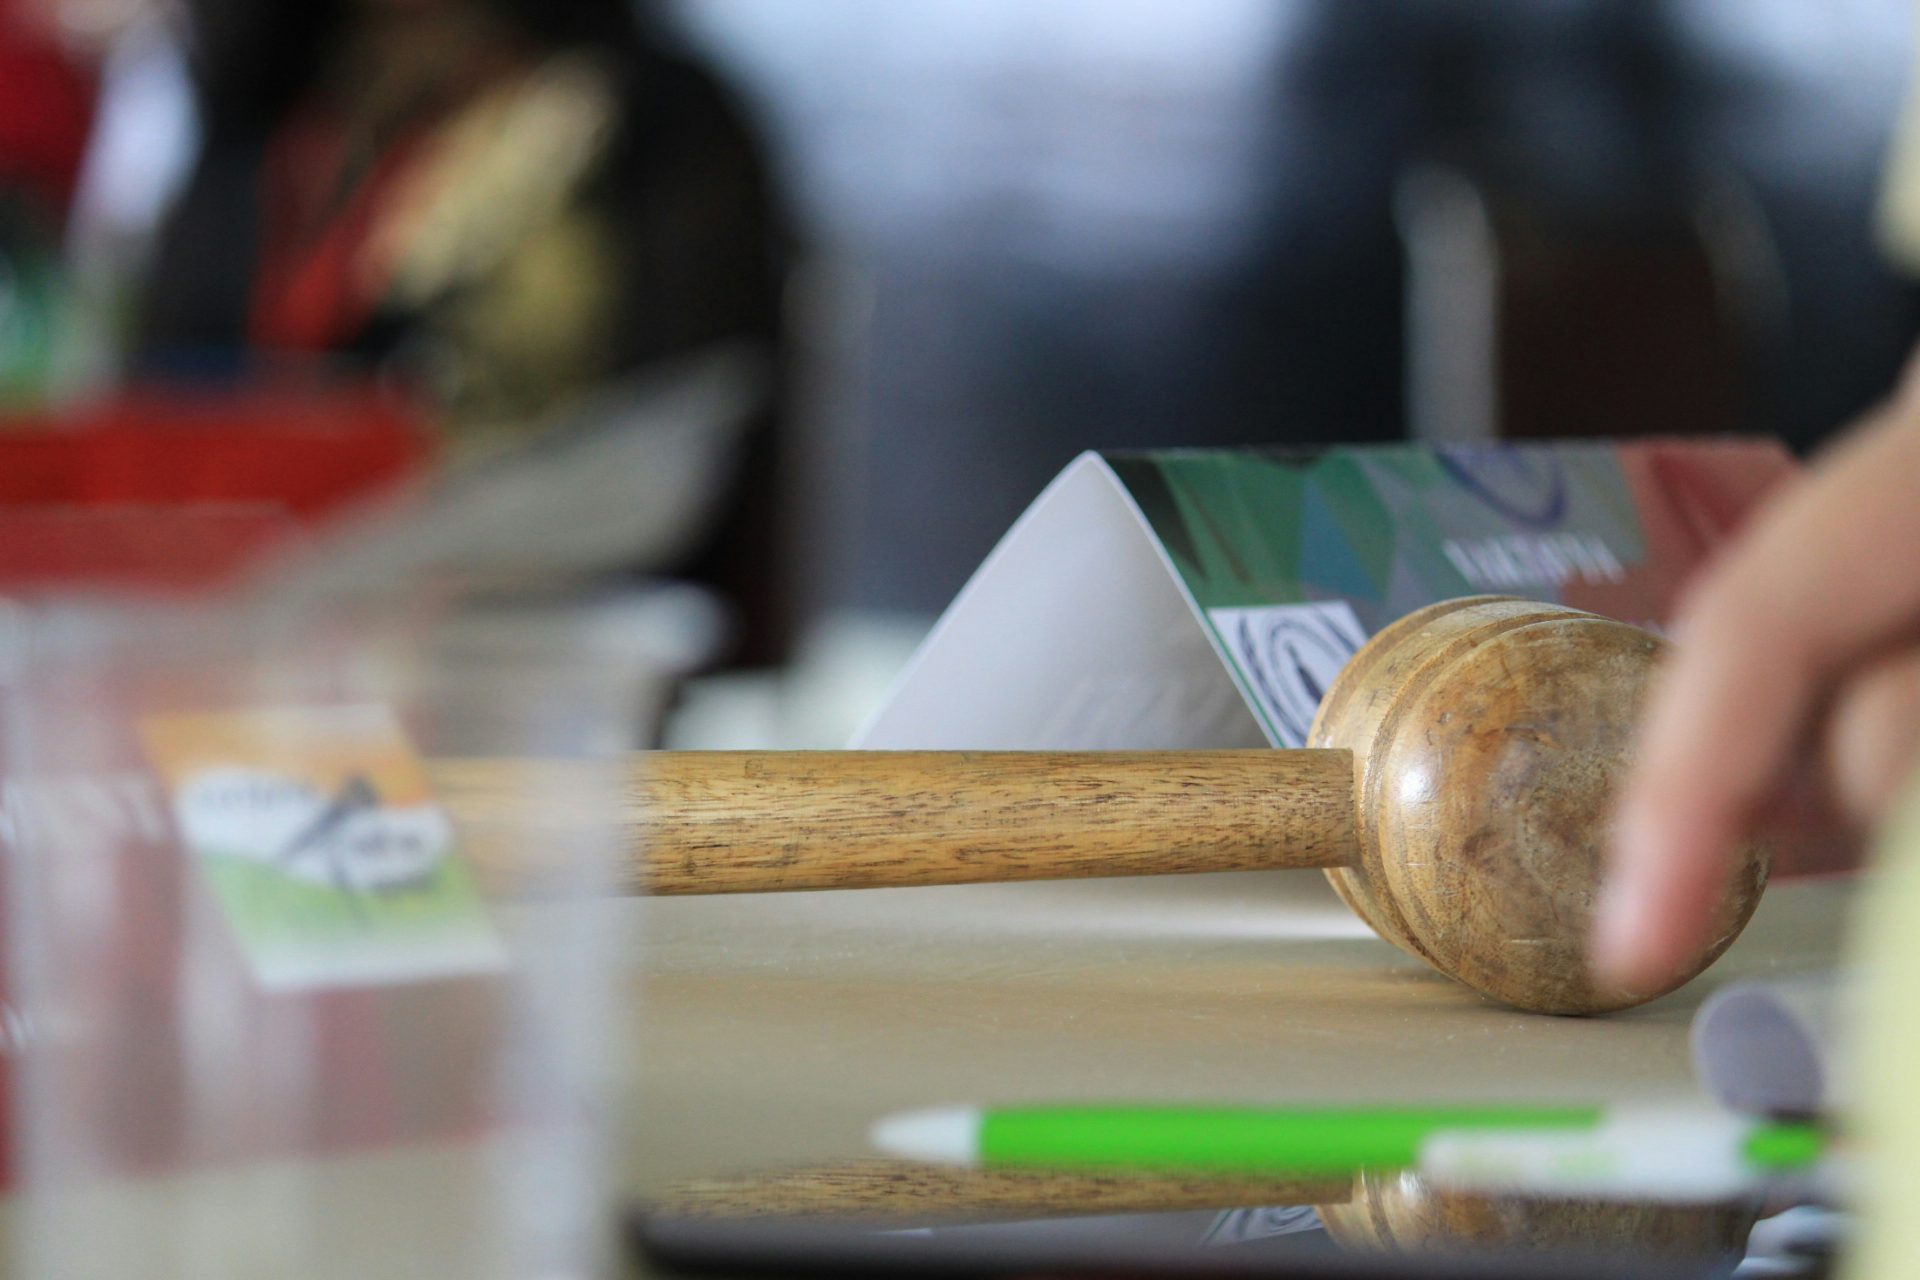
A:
(1457, 788)
(1401, 1212)
(1488, 736)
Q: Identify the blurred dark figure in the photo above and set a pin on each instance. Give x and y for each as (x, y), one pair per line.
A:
(508, 203)
(1662, 255)
(46, 108)
(1556, 128)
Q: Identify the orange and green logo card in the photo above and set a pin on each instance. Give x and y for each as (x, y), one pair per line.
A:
(319, 837)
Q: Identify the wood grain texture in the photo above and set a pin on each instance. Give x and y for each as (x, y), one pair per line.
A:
(1402, 1213)
(1362, 698)
(909, 1191)
(704, 822)
(533, 828)
(1490, 735)
(761, 822)
(746, 822)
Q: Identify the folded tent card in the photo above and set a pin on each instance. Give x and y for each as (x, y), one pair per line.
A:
(1207, 598)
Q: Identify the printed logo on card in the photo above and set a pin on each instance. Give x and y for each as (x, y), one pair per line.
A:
(1286, 656)
(318, 835)
(346, 840)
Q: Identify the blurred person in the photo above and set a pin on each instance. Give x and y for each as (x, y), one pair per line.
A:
(46, 109)
(511, 200)
(509, 204)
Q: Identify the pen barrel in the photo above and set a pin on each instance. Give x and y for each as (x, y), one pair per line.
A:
(748, 822)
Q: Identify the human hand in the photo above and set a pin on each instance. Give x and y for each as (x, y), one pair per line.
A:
(1797, 657)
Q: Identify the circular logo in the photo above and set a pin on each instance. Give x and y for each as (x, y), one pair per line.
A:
(1526, 486)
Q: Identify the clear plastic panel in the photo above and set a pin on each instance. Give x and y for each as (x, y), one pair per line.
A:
(271, 1021)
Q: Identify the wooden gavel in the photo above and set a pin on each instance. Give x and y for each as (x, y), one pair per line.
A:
(1457, 793)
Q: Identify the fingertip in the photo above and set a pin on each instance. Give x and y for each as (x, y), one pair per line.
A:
(1626, 942)
(1619, 937)
(1636, 952)
(1656, 905)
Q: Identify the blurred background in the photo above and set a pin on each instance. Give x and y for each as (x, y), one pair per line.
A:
(270, 263)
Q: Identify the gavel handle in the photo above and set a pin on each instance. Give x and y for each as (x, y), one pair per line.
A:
(769, 821)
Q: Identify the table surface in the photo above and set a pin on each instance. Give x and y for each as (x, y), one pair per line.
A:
(766, 1033)
(771, 1030)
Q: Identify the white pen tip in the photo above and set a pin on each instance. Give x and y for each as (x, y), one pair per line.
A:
(945, 1135)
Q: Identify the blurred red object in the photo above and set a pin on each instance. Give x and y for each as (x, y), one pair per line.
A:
(170, 492)
(180, 490)
(46, 108)
(148, 549)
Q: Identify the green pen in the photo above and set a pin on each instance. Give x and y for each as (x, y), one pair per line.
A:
(1665, 1153)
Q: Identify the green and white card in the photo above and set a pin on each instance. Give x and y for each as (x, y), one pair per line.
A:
(1205, 598)
(317, 833)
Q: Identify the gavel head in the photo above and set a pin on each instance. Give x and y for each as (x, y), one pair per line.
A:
(1488, 735)
(1401, 1212)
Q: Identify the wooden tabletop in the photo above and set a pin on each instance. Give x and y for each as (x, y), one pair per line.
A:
(772, 1030)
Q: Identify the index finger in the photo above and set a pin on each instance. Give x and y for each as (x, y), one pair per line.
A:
(1825, 576)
